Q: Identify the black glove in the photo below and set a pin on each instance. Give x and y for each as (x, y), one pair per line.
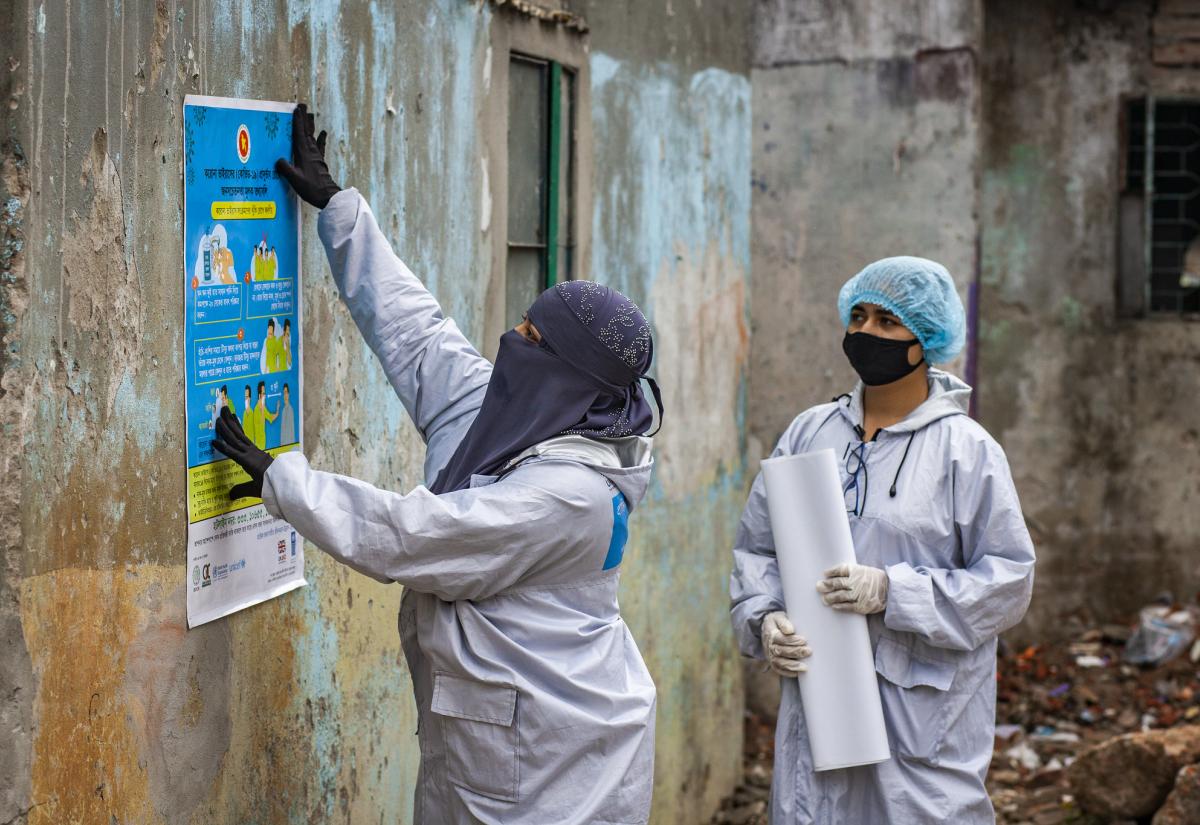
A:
(232, 441)
(310, 175)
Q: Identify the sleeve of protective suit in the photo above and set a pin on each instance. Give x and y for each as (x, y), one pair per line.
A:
(468, 544)
(962, 608)
(754, 586)
(439, 377)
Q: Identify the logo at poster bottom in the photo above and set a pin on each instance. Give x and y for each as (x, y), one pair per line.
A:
(243, 143)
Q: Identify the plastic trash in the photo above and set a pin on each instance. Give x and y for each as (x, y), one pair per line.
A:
(1161, 635)
(1045, 733)
(1006, 732)
(1025, 756)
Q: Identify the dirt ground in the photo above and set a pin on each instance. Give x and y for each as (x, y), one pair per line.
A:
(1053, 702)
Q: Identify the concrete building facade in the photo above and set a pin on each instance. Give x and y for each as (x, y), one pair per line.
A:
(996, 138)
(1095, 397)
(800, 139)
(299, 710)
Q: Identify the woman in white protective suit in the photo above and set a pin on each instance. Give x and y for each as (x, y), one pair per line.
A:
(945, 564)
(534, 703)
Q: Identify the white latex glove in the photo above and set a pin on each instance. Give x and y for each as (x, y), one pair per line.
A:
(855, 587)
(784, 649)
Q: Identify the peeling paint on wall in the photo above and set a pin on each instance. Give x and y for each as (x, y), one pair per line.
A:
(671, 230)
(16, 670)
(702, 337)
(104, 299)
(668, 234)
(119, 713)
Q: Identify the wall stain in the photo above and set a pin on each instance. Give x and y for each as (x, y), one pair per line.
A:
(128, 716)
(100, 277)
(177, 684)
(671, 230)
(1100, 454)
(701, 334)
(16, 671)
(78, 626)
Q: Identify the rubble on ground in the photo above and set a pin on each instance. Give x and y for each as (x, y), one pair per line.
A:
(1082, 738)
(1081, 735)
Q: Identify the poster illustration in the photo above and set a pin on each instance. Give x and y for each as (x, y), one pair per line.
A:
(242, 321)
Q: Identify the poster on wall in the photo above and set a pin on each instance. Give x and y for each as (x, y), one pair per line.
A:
(242, 322)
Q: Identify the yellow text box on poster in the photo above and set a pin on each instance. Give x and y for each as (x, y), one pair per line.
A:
(243, 210)
(208, 487)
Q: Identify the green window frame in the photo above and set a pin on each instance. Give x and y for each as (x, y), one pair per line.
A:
(541, 187)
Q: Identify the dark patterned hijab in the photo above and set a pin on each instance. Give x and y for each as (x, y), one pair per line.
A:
(582, 378)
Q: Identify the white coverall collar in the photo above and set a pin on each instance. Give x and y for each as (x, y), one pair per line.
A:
(609, 453)
(948, 395)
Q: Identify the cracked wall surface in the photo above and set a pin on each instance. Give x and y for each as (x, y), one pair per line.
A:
(796, 32)
(299, 710)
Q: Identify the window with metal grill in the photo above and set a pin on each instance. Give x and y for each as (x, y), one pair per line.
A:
(1160, 208)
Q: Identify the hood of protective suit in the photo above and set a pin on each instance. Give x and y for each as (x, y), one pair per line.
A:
(948, 395)
(626, 462)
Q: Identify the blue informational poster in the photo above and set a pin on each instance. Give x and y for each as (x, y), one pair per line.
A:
(242, 322)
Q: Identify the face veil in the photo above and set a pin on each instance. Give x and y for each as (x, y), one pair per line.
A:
(582, 378)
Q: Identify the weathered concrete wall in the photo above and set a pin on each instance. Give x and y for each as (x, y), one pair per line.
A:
(672, 229)
(1099, 416)
(866, 131)
(299, 710)
(939, 128)
(865, 144)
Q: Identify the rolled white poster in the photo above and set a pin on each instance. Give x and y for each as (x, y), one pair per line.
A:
(840, 691)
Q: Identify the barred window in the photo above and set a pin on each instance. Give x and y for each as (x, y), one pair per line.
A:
(1160, 208)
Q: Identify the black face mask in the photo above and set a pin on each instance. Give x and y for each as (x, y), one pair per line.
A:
(878, 360)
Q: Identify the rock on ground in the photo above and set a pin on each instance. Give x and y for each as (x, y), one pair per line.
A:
(1183, 805)
(1131, 776)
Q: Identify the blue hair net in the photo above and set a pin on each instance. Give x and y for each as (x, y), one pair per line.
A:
(920, 293)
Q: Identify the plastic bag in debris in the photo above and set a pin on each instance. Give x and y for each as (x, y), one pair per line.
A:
(1161, 635)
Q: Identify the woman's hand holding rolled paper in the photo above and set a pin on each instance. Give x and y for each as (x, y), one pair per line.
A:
(784, 648)
(855, 587)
